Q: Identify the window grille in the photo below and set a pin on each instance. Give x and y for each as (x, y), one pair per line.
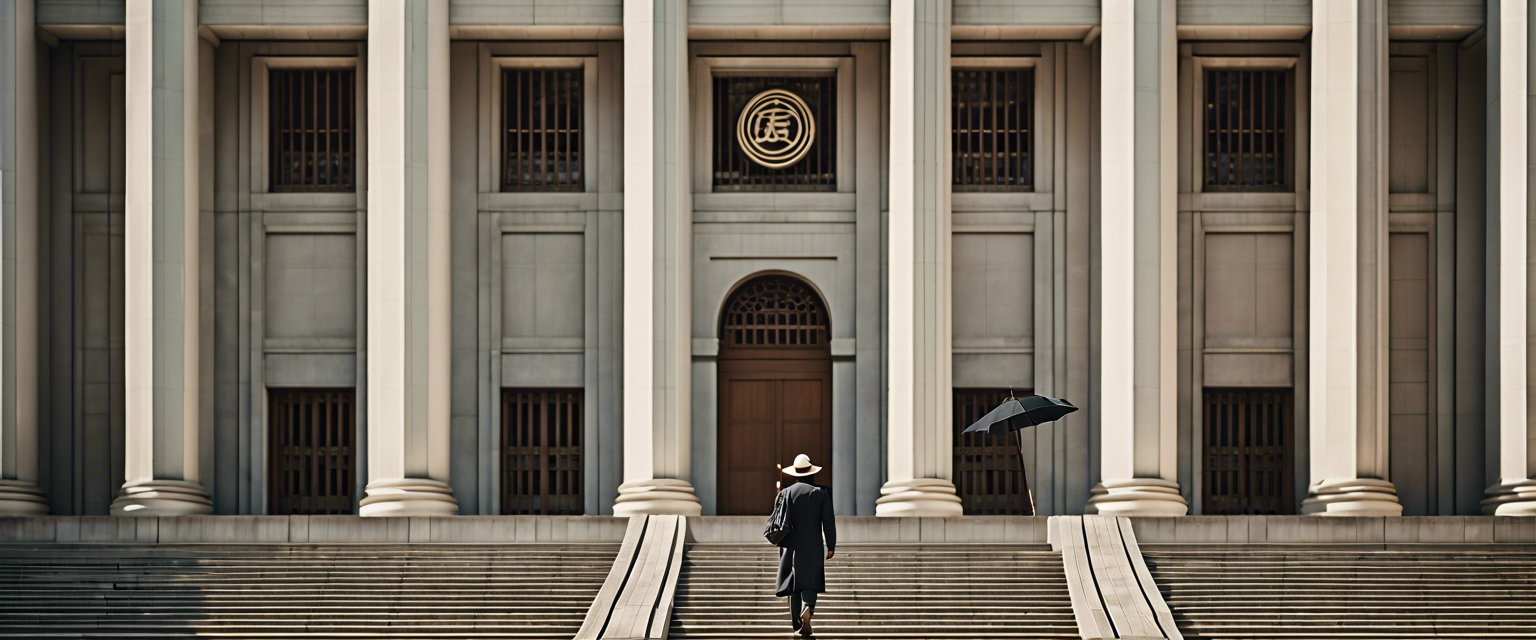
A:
(993, 120)
(987, 472)
(1247, 130)
(775, 312)
(1248, 442)
(542, 137)
(313, 451)
(541, 444)
(312, 126)
(734, 171)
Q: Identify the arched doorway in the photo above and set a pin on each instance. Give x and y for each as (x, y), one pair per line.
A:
(775, 389)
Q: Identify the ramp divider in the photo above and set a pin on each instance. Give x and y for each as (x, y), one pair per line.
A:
(635, 602)
(1113, 594)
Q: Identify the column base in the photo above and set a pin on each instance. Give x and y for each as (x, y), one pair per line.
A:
(156, 497)
(22, 498)
(403, 497)
(1351, 497)
(657, 497)
(1137, 497)
(1511, 499)
(918, 498)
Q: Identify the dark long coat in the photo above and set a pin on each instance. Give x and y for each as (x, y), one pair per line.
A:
(802, 559)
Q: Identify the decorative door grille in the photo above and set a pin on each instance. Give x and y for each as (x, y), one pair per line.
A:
(1246, 130)
(312, 129)
(987, 475)
(542, 138)
(775, 312)
(1248, 442)
(541, 445)
(734, 171)
(993, 118)
(313, 451)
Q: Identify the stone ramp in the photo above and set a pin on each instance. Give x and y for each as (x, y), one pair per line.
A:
(1371, 591)
(940, 590)
(533, 590)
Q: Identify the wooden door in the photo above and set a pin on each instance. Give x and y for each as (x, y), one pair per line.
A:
(775, 391)
(313, 451)
(1248, 442)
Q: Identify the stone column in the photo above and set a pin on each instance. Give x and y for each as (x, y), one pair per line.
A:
(161, 263)
(1347, 380)
(1138, 381)
(658, 252)
(1511, 438)
(19, 493)
(919, 403)
(408, 260)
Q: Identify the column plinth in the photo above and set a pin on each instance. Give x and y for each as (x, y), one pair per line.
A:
(408, 497)
(656, 496)
(919, 497)
(22, 498)
(155, 497)
(1511, 499)
(1351, 497)
(1137, 497)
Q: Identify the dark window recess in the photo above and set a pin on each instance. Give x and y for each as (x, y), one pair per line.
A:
(775, 312)
(541, 459)
(1247, 132)
(312, 126)
(734, 171)
(987, 474)
(541, 130)
(313, 451)
(1248, 443)
(993, 120)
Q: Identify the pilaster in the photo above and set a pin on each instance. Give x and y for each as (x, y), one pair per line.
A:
(918, 378)
(19, 493)
(1138, 393)
(162, 264)
(409, 260)
(658, 252)
(1348, 253)
(1510, 433)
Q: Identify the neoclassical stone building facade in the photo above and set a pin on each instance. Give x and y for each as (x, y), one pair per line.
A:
(622, 256)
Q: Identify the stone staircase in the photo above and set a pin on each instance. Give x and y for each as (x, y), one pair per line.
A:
(1267, 591)
(947, 590)
(299, 590)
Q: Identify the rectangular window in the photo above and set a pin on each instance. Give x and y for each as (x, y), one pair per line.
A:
(790, 135)
(988, 476)
(1248, 442)
(312, 126)
(313, 451)
(993, 120)
(1247, 130)
(541, 461)
(541, 129)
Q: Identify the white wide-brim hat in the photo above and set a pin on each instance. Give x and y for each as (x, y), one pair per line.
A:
(802, 467)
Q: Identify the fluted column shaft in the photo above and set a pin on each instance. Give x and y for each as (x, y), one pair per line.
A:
(658, 251)
(1511, 437)
(409, 285)
(160, 255)
(1347, 380)
(19, 493)
(919, 378)
(1138, 247)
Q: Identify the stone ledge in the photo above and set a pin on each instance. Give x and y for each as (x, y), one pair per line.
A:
(872, 529)
(312, 529)
(1341, 530)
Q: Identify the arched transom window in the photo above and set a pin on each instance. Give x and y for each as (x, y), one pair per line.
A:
(775, 312)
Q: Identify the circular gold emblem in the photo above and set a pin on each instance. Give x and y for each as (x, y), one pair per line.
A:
(776, 129)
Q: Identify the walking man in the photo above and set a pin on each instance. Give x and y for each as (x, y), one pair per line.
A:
(801, 557)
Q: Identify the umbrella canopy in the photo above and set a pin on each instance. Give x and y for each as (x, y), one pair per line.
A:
(1021, 413)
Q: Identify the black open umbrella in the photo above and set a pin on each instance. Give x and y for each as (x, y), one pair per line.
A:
(1017, 414)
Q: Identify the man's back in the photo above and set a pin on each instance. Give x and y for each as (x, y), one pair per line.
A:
(810, 509)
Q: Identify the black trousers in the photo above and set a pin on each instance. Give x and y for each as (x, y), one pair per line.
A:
(796, 600)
